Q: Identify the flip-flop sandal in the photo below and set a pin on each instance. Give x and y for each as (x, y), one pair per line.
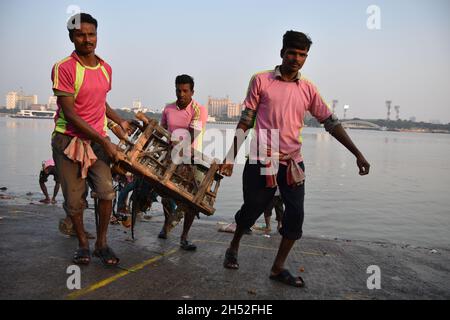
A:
(230, 261)
(82, 256)
(287, 278)
(105, 254)
(188, 246)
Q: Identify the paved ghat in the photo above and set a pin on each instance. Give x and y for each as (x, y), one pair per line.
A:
(34, 258)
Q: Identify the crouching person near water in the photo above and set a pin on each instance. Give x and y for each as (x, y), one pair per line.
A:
(277, 101)
(48, 168)
(81, 147)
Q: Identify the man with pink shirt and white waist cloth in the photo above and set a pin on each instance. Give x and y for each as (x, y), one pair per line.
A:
(276, 104)
(184, 119)
(81, 148)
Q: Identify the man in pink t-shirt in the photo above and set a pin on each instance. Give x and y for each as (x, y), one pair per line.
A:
(81, 147)
(184, 119)
(276, 104)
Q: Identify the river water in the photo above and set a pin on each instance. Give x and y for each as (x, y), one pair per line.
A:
(405, 199)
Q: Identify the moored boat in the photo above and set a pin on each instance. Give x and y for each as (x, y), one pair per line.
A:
(34, 114)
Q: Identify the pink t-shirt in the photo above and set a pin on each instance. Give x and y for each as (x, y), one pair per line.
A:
(282, 105)
(89, 86)
(194, 116)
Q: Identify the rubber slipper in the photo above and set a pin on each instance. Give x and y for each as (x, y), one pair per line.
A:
(105, 254)
(287, 278)
(82, 256)
(230, 261)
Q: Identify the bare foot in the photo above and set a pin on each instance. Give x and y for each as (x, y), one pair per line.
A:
(46, 201)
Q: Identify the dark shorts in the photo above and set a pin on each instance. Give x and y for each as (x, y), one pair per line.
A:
(72, 185)
(50, 171)
(257, 197)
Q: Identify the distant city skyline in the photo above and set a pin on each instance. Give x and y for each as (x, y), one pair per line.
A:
(217, 107)
(21, 100)
(360, 57)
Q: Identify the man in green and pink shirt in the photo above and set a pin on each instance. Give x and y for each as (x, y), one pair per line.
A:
(276, 104)
(81, 148)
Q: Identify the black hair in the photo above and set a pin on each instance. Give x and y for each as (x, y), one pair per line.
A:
(81, 18)
(296, 40)
(184, 79)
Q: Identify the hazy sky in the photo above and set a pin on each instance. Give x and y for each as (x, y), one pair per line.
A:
(223, 43)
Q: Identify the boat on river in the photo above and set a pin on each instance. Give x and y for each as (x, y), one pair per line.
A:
(34, 114)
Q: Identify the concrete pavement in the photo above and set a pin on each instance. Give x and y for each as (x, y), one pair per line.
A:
(35, 257)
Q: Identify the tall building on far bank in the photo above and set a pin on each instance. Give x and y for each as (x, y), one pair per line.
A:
(223, 108)
(20, 100)
(11, 100)
(217, 107)
(234, 110)
(52, 103)
(137, 104)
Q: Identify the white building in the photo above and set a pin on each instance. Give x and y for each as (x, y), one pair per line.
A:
(52, 103)
(19, 100)
(26, 101)
(137, 104)
(223, 107)
(234, 110)
(218, 107)
(11, 100)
